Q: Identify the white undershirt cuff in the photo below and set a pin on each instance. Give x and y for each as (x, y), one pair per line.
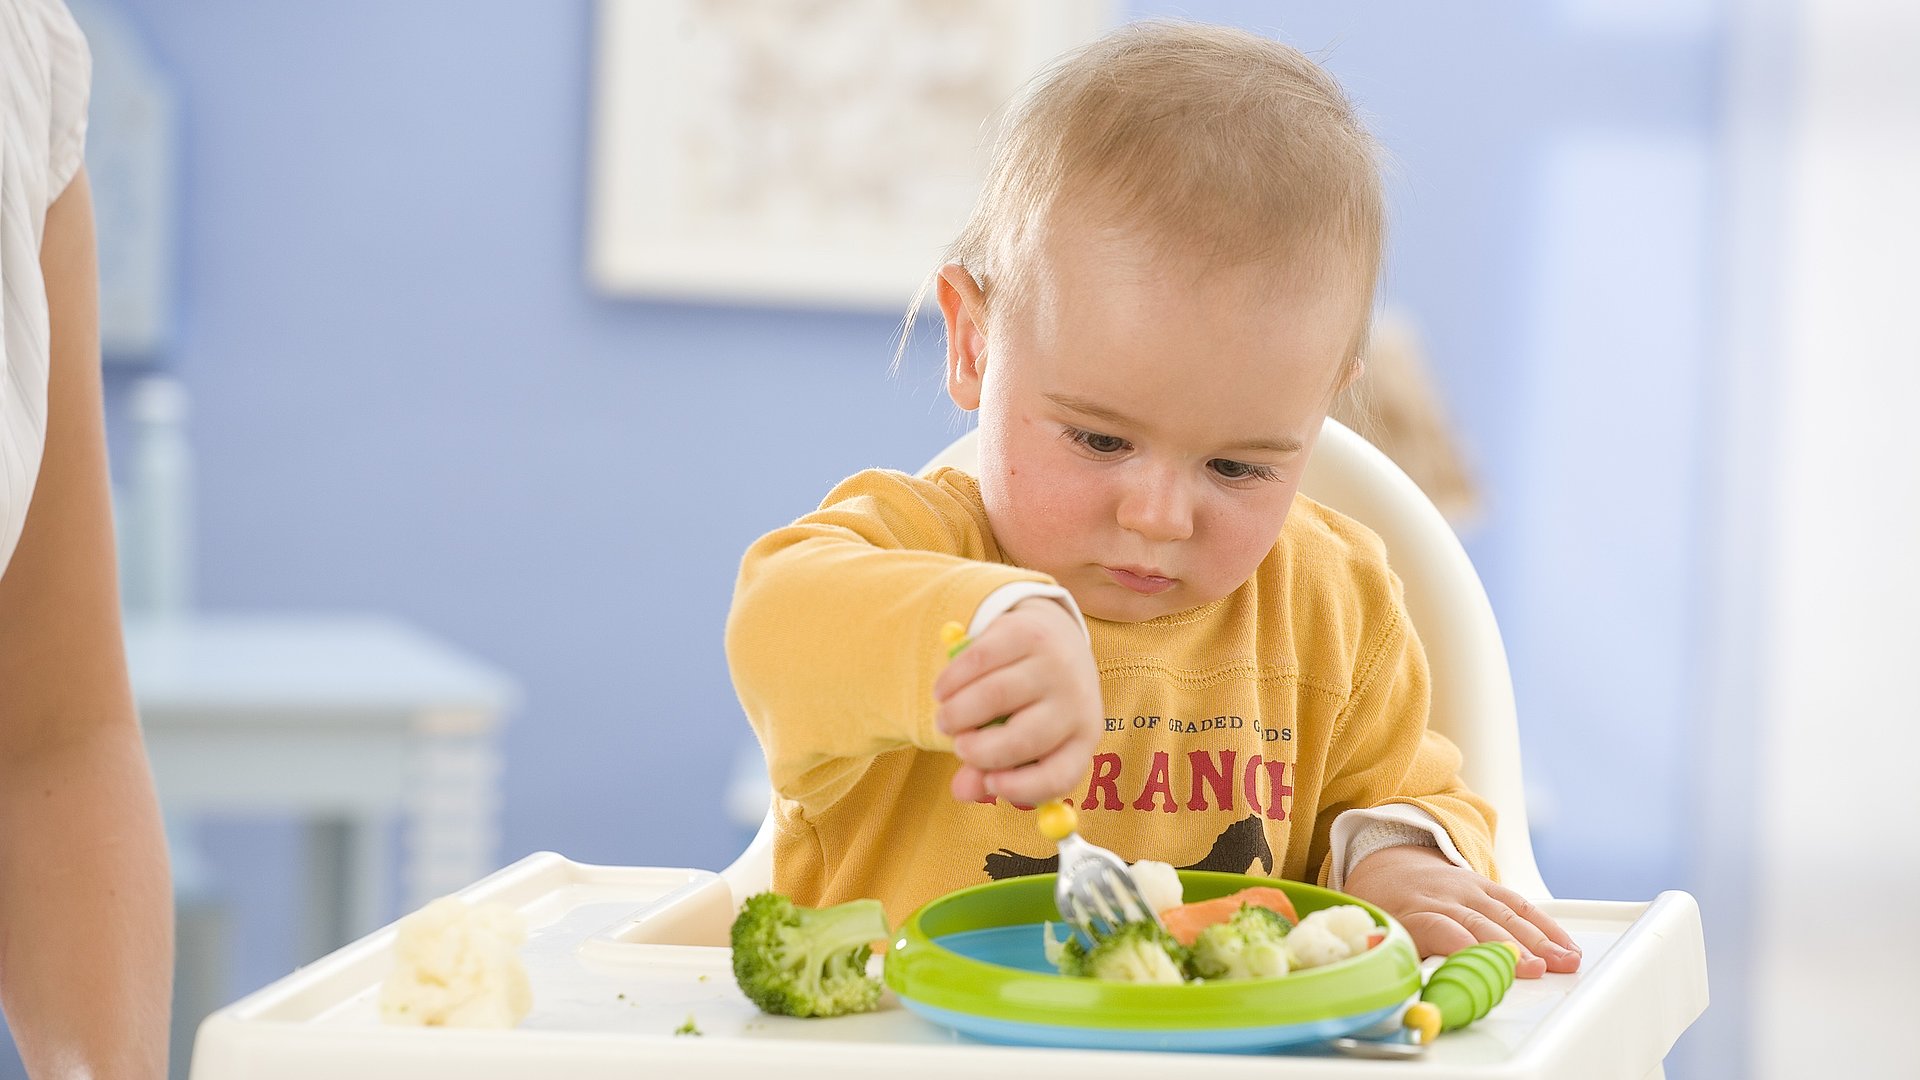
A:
(1357, 834)
(1002, 599)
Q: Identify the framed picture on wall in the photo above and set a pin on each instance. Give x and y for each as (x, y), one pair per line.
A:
(819, 154)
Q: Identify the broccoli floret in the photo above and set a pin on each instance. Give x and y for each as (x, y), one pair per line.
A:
(798, 961)
(1252, 944)
(1070, 956)
(1073, 958)
(1141, 952)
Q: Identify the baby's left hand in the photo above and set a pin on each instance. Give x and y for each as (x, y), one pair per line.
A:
(1447, 908)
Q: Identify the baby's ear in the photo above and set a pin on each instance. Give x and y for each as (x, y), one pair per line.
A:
(963, 303)
(1355, 368)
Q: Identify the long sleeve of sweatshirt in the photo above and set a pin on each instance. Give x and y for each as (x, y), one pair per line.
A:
(1382, 752)
(833, 636)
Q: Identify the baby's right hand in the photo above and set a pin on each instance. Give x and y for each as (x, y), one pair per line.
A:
(1032, 666)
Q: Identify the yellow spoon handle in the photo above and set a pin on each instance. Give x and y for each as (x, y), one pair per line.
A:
(953, 638)
(1056, 820)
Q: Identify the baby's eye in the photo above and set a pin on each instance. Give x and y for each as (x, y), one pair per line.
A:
(1096, 442)
(1240, 470)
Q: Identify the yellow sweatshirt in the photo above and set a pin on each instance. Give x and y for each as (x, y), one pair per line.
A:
(1235, 732)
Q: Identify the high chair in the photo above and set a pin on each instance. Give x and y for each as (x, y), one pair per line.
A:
(623, 959)
(1472, 686)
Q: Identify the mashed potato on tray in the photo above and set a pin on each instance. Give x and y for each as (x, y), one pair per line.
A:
(458, 965)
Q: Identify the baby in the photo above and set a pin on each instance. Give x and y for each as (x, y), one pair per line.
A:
(1167, 280)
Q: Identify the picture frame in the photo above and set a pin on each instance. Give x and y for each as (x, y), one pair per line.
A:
(816, 154)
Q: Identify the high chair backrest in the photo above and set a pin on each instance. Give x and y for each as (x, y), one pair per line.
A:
(1472, 686)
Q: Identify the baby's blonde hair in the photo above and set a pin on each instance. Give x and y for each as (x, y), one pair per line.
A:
(1209, 142)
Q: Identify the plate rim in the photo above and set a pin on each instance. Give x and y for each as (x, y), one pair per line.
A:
(920, 970)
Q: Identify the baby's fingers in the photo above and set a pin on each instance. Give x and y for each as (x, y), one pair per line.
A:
(1028, 735)
(969, 784)
(981, 657)
(1056, 773)
(1485, 929)
(1435, 934)
(1525, 928)
(1035, 783)
(1531, 912)
(987, 698)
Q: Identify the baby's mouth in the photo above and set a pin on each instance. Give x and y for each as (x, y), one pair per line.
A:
(1140, 579)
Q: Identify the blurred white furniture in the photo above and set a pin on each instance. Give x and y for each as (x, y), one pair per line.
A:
(1472, 686)
(351, 722)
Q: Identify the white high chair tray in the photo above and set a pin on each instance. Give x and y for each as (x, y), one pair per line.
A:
(619, 957)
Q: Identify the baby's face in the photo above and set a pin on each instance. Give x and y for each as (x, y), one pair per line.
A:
(1142, 433)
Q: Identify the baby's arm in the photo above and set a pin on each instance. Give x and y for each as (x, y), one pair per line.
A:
(1386, 761)
(1032, 666)
(1447, 907)
(833, 637)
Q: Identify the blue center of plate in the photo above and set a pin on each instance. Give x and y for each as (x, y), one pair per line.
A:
(1022, 947)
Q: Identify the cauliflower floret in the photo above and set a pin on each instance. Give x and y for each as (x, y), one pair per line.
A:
(1330, 935)
(1159, 883)
(1350, 923)
(1312, 945)
(458, 965)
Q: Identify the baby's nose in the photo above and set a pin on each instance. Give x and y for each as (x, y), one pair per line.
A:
(1158, 507)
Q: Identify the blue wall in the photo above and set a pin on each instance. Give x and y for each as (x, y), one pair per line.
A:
(407, 398)
(1551, 172)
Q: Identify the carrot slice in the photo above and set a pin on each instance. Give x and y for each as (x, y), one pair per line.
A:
(1186, 921)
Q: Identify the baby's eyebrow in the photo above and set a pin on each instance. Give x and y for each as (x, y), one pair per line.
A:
(1282, 445)
(1271, 446)
(1093, 409)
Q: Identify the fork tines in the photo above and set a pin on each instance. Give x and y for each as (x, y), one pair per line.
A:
(1098, 896)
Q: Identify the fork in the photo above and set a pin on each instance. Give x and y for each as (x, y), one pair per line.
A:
(1093, 890)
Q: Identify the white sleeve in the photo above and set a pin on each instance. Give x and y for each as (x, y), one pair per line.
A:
(70, 67)
(1357, 834)
(1002, 599)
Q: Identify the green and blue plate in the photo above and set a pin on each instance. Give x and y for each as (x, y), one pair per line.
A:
(974, 961)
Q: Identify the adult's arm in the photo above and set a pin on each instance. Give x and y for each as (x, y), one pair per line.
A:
(86, 909)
